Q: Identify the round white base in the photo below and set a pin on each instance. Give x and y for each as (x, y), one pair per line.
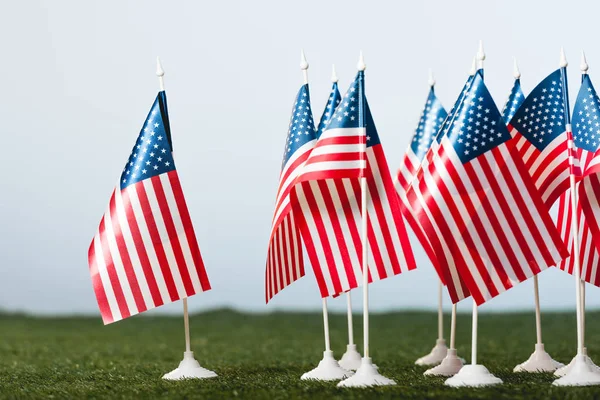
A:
(473, 376)
(565, 370)
(366, 375)
(580, 374)
(351, 358)
(539, 361)
(436, 355)
(450, 365)
(327, 370)
(189, 368)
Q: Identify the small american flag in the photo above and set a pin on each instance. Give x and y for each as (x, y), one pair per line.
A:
(586, 136)
(334, 100)
(285, 263)
(483, 204)
(540, 132)
(514, 101)
(145, 252)
(329, 207)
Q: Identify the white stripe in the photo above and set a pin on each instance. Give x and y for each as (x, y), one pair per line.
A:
(131, 249)
(336, 149)
(337, 132)
(164, 237)
(109, 235)
(333, 165)
(180, 230)
(105, 279)
(148, 245)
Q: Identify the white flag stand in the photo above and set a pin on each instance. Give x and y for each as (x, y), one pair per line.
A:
(451, 363)
(540, 360)
(367, 374)
(474, 375)
(351, 358)
(328, 368)
(579, 372)
(440, 350)
(189, 367)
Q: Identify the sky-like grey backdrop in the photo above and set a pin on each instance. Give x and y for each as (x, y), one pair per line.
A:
(78, 79)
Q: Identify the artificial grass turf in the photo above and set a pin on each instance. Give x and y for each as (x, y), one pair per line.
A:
(264, 355)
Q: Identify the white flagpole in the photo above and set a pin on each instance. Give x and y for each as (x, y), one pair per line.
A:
(367, 374)
(328, 368)
(538, 317)
(474, 375)
(440, 312)
(350, 327)
(580, 372)
(189, 366)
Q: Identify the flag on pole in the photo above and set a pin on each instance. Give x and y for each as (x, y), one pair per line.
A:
(327, 198)
(586, 137)
(514, 101)
(432, 117)
(145, 252)
(285, 262)
(334, 99)
(447, 271)
(483, 205)
(541, 137)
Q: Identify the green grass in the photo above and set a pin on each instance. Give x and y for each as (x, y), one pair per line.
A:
(263, 355)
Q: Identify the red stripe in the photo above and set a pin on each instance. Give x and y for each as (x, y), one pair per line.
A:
(189, 230)
(334, 157)
(330, 174)
(340, 140)
(156, 240)
(107, 316)
(141, 250)
(112, 273)
(125, 259)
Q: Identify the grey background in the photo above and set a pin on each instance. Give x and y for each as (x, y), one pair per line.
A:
(78, 79)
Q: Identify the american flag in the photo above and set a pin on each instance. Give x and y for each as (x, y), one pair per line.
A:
(483, 204)
(329, 206)
(586, 136)
(285, 263)
(514, 101)
(432, 117)
(447, 271)
(145, 252)
(541, 137)
(334, 100)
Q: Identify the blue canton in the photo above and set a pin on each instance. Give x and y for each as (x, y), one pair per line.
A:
(431, 119)
(152, 153)
(514, 101)
(541, 117)
(348, 112)
(445, 127)
(302, 128)
(477, 125)
(334, 99)
(586, 124)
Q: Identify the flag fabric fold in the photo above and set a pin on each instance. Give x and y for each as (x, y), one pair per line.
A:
(145, 253)
(480, 202)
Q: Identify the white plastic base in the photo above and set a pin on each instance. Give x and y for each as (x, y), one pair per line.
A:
(539, 361)
(580, 374)
(327, 370)
(366, 375)
(189, 368)
(565, 370)
(437, 354)
(351, 359)
(473, 376)
(450, 365)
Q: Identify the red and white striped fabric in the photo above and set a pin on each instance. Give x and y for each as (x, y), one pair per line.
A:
(491, 221)
(145, 252)
(285, 262)
(328, 202)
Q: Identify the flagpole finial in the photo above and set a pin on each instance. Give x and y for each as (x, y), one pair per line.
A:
(480, 55)
(334, 77)
(516, 72)
(563, 59)
(431, 80)
(584, 65)
(361, 66)
(304, 66)
(473, 67)
(160, 72)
